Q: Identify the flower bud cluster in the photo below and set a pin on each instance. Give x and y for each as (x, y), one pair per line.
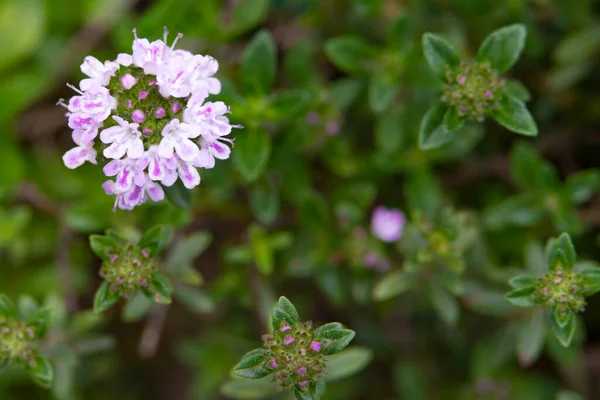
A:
(19, 344)
(473, 89)
(149, 111)
(561, 290)
(296, 355)
(128, 270)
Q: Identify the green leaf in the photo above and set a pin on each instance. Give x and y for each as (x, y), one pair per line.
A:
(105, 298)
(350, 54)
(254, 364)
(265, 202)
(522, 281)
(514, 116)
(569, 395)
(347, 363)
(389, 131)
(40, 319)
(248, 389)
(452, 121)
(7, 307)
(155, 239)
(252, 152)
(565, 333)
(313, 391)
(433, 133)
(261, 250)
(401, 32)
(103, 246)
(516, 89)
(162, 286)
(530, 339)
(503, 47)
(187, 250)
(526, 166)
(248, 14)
(259, 64)
(382, 91)
(179, 195)
(522, 210)
(591, 280)
(41, 371)
(25, 17)
(579, 47)
(136, 308)
(291, 103)
(522, 297)
(582, 185)
(561, 318)
(333, 337)
(444, 303)
(440, 54)
(196, 300)
(561, 251)
(284, 311)
(392, 285)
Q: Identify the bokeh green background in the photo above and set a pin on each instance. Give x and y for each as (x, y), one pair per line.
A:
(280, 212)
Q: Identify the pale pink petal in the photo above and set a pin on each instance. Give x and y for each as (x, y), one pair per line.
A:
(170, 177)
(124, 59)
(155, 191)
(189, 175)
(124, 181)
(136, 147)
(115, 150)
(76, 157)
(165, 148)
(111, 134)
(186, 149)
(112, 168)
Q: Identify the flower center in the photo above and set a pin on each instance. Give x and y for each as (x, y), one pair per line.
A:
(128, 271)
(17, 342)
(139, 101)
(561, 290)
(472, 89)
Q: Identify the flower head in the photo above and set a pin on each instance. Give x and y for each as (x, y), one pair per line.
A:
(149, 111)
(387, 224)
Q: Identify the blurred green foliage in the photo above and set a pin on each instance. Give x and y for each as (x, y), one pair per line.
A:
(331, 95)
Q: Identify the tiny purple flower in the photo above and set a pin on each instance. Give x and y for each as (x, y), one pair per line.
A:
(370, 259)
(315, 346)
(147, 131)
(488, 94)
(288, 340)
(303, 383)
(462, 80)
(332, 128)
(138, 116)
(387, 224)
(128, 81)
(285, 328)
(313, 118)
(160, 112)
(273, 363)
(176, 107)
(143, 95)
(301, 371)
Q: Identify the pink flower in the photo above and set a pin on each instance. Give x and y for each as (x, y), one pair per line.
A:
(288, 340)
(315, 346)
(387, 224)
(301, 371)
(123, 138)
(99, 74)
(176, 138)
(80, 154)
(285, 328)
(273, 363)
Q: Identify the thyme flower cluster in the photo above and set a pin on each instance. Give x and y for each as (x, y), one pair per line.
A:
(150, 112)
